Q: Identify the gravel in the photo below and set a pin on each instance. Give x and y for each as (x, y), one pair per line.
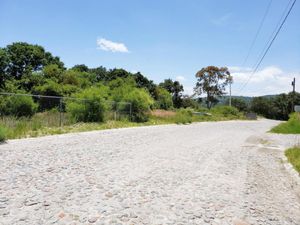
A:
(204, 173)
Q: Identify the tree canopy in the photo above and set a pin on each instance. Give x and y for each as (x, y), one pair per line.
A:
(212, 80)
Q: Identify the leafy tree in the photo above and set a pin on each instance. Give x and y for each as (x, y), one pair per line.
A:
(117, 73)
(238, 103)
(212, 80)
(24, 58)
(53, 71)
(100, 73)
(80, 68)
(261, 106)
(176, 89)
(29, 81)
(144, 82)
(163, 99)
(125, 90)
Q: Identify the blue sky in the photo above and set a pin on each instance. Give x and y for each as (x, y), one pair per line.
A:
(162, 39)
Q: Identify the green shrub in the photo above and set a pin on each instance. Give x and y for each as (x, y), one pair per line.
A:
(184, 116)
(91, 107)
(163, 99)
(141, 102)
(226, 110)
(49, 88)
(2, 134)
(18, 106)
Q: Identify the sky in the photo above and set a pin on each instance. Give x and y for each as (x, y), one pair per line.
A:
(163, 38)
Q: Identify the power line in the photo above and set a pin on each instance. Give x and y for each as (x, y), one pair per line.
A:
(257, 32)
(276, 27)
(269, 46)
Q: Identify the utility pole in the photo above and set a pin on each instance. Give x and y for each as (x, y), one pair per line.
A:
(294, 90)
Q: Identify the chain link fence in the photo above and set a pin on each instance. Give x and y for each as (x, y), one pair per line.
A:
(52, 111)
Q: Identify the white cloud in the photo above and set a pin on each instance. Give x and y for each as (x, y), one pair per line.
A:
(180, 78)
(111, 46)
(269, 80)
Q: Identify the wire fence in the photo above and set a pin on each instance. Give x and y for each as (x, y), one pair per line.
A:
(51, 111)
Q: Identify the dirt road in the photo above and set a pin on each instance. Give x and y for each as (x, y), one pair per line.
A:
(204, 173)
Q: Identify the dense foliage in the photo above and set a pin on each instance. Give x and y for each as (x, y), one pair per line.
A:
(275, 107)
(30, 69)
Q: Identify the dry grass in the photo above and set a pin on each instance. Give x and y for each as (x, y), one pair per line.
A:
(163, 113)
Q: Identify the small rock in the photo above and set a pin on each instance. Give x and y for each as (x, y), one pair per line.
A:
(93, 219)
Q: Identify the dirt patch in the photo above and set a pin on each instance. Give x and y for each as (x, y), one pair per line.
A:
(163, 113)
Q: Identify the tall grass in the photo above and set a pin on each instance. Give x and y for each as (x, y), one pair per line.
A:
(48, 123)
(293, 155)
(292, 126)
(2, 134)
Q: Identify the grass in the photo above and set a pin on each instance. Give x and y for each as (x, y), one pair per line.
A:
(2, 134)
(292, 126)
(293, 155)
(47, 123)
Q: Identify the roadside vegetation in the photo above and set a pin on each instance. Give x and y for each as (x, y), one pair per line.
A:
(293, 155)
(96, 98)
(292, 126)
(46, 123)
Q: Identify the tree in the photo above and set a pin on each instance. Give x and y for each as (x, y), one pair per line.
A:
(52, 71)
(100, 73)
(238, 103)
(144, 82)
(262, 106)
(80, 68)
(115, 73)
(163, 99)
(24, 58)
(212, 80)
(176, 89)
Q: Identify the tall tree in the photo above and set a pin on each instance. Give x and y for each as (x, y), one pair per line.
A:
(24, 58)
(212, 80)
(144, 82)
(176, 89)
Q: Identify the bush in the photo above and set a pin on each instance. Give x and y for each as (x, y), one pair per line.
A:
(91, 108)
(2, 134)
(184, 116)
(18, 106)
(49, 88)
(163, 99)
(141, 102)
(226, 110)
